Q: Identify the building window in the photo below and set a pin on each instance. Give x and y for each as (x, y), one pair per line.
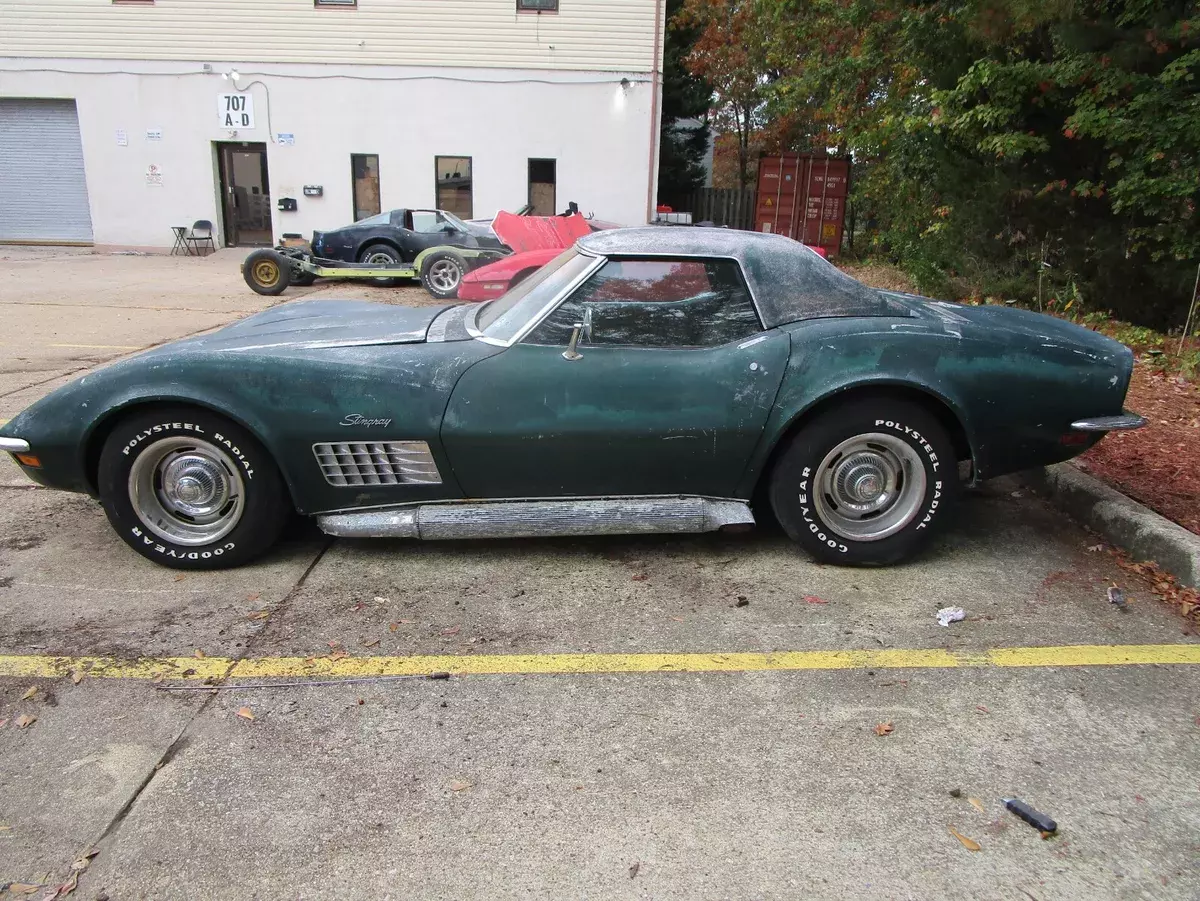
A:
(364, 170)
(537, 6)
(454, 184)
(542, 187)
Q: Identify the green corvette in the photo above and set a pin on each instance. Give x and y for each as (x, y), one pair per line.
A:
(646, 380)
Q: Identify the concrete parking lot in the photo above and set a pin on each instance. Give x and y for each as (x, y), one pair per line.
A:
(693, 717)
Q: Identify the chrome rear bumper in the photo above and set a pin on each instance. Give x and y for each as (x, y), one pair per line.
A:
(14, 445)
(1120, 423)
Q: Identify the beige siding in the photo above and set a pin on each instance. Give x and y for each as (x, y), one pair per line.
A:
(612, 35)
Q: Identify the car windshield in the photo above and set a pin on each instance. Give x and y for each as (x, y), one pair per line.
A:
(504, 317)
(455, 221)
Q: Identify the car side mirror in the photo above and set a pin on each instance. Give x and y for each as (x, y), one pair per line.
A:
(449, 229)
(586, 331)
(580, 330)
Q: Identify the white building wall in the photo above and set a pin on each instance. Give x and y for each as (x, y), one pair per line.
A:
(587, 35)
(599, 131)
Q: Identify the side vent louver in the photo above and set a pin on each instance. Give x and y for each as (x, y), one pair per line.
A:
(377, 463)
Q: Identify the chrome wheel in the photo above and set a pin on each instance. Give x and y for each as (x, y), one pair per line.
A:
(186, 491)
(444, 275)
(380, 259)
(869, 487)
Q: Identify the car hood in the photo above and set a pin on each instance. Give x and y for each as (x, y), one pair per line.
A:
(523, 233)
(319, 323)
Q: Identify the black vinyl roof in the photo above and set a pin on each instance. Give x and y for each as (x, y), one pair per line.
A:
(789, 281)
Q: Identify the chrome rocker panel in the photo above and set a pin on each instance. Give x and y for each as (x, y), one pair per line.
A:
(541, 518)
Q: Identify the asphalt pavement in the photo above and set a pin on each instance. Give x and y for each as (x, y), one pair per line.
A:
(652, 717)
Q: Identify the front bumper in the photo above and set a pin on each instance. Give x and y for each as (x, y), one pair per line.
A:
(14, 445)
(1124, 422)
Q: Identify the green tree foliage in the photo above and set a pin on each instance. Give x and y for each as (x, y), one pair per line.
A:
(686, 99)
(1040, 150)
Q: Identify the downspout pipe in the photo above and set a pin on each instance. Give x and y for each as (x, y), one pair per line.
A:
(655, 69)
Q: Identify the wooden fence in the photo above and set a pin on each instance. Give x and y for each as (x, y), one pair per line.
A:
(732, 207)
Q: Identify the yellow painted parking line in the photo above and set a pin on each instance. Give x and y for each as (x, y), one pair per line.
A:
(193, 668)
(100, 346)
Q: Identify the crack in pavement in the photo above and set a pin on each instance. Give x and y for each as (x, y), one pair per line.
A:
(108, 833)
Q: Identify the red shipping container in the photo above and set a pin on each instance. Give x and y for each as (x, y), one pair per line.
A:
(803, 196)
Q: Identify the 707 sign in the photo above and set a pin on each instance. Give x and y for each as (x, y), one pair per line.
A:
(236, 110)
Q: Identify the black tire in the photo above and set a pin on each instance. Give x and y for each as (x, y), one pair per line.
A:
(813, 491)
(379, 251)
(191, 445)
(302, 279)
(267, 272)
(438, 274)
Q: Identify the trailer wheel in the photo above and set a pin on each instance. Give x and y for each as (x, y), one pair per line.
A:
(267, 272)
(301, 278)
(442, 274)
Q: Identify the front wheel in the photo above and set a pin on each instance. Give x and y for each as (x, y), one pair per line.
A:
(442, 274)
(868, 483)
(191, 490)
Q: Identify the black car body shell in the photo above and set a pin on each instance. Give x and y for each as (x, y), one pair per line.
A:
(349, 243)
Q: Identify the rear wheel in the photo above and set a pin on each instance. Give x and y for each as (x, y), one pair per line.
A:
(442, 274)
(868, 483)
(267, 272)
(382, 255)
(191, 490)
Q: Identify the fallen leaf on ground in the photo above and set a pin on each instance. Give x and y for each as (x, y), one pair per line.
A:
(359, 605)
(813, 599)
(199, 654)
(29, 693)
(977, 804)
(4, 828)
(634, 867)
(392, 627)
(25, 720)
(246, 713)
(640, 577)
(982, 709)
(374, 642)
(180, 577)
(76, 676)
(254, 597)
(82, 861)
(458, 785)
(380, 600)
(1095, 547)
(23, 888)
(453, 630)
(884, 729)
(67, 887)
(259, 614)
(158, 678)
(679, 619)
(338, 654)
(969, 843)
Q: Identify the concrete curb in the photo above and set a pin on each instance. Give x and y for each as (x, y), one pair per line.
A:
(1122, 521)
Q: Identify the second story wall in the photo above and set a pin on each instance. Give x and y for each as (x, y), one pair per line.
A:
(603, 35)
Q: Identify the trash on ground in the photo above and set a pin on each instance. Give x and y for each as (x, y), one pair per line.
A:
(634, 867)
(246, 713)
(25, 720)
(1037, 820)
(1116, 597)
(969, 843)
(948, 615)
(742, 601)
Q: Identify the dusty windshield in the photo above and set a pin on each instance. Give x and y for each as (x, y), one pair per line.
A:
(504, 317)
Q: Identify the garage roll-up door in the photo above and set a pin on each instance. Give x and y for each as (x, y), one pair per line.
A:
(43, 193)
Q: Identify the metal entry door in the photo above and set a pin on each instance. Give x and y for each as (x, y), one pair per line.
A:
(43, 191)
(245, 195)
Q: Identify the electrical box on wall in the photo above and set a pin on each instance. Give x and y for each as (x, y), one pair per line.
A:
(287, 205)
(314, 190)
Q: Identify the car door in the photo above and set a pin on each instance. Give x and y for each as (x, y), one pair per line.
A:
(431, 229)
(669, 392)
